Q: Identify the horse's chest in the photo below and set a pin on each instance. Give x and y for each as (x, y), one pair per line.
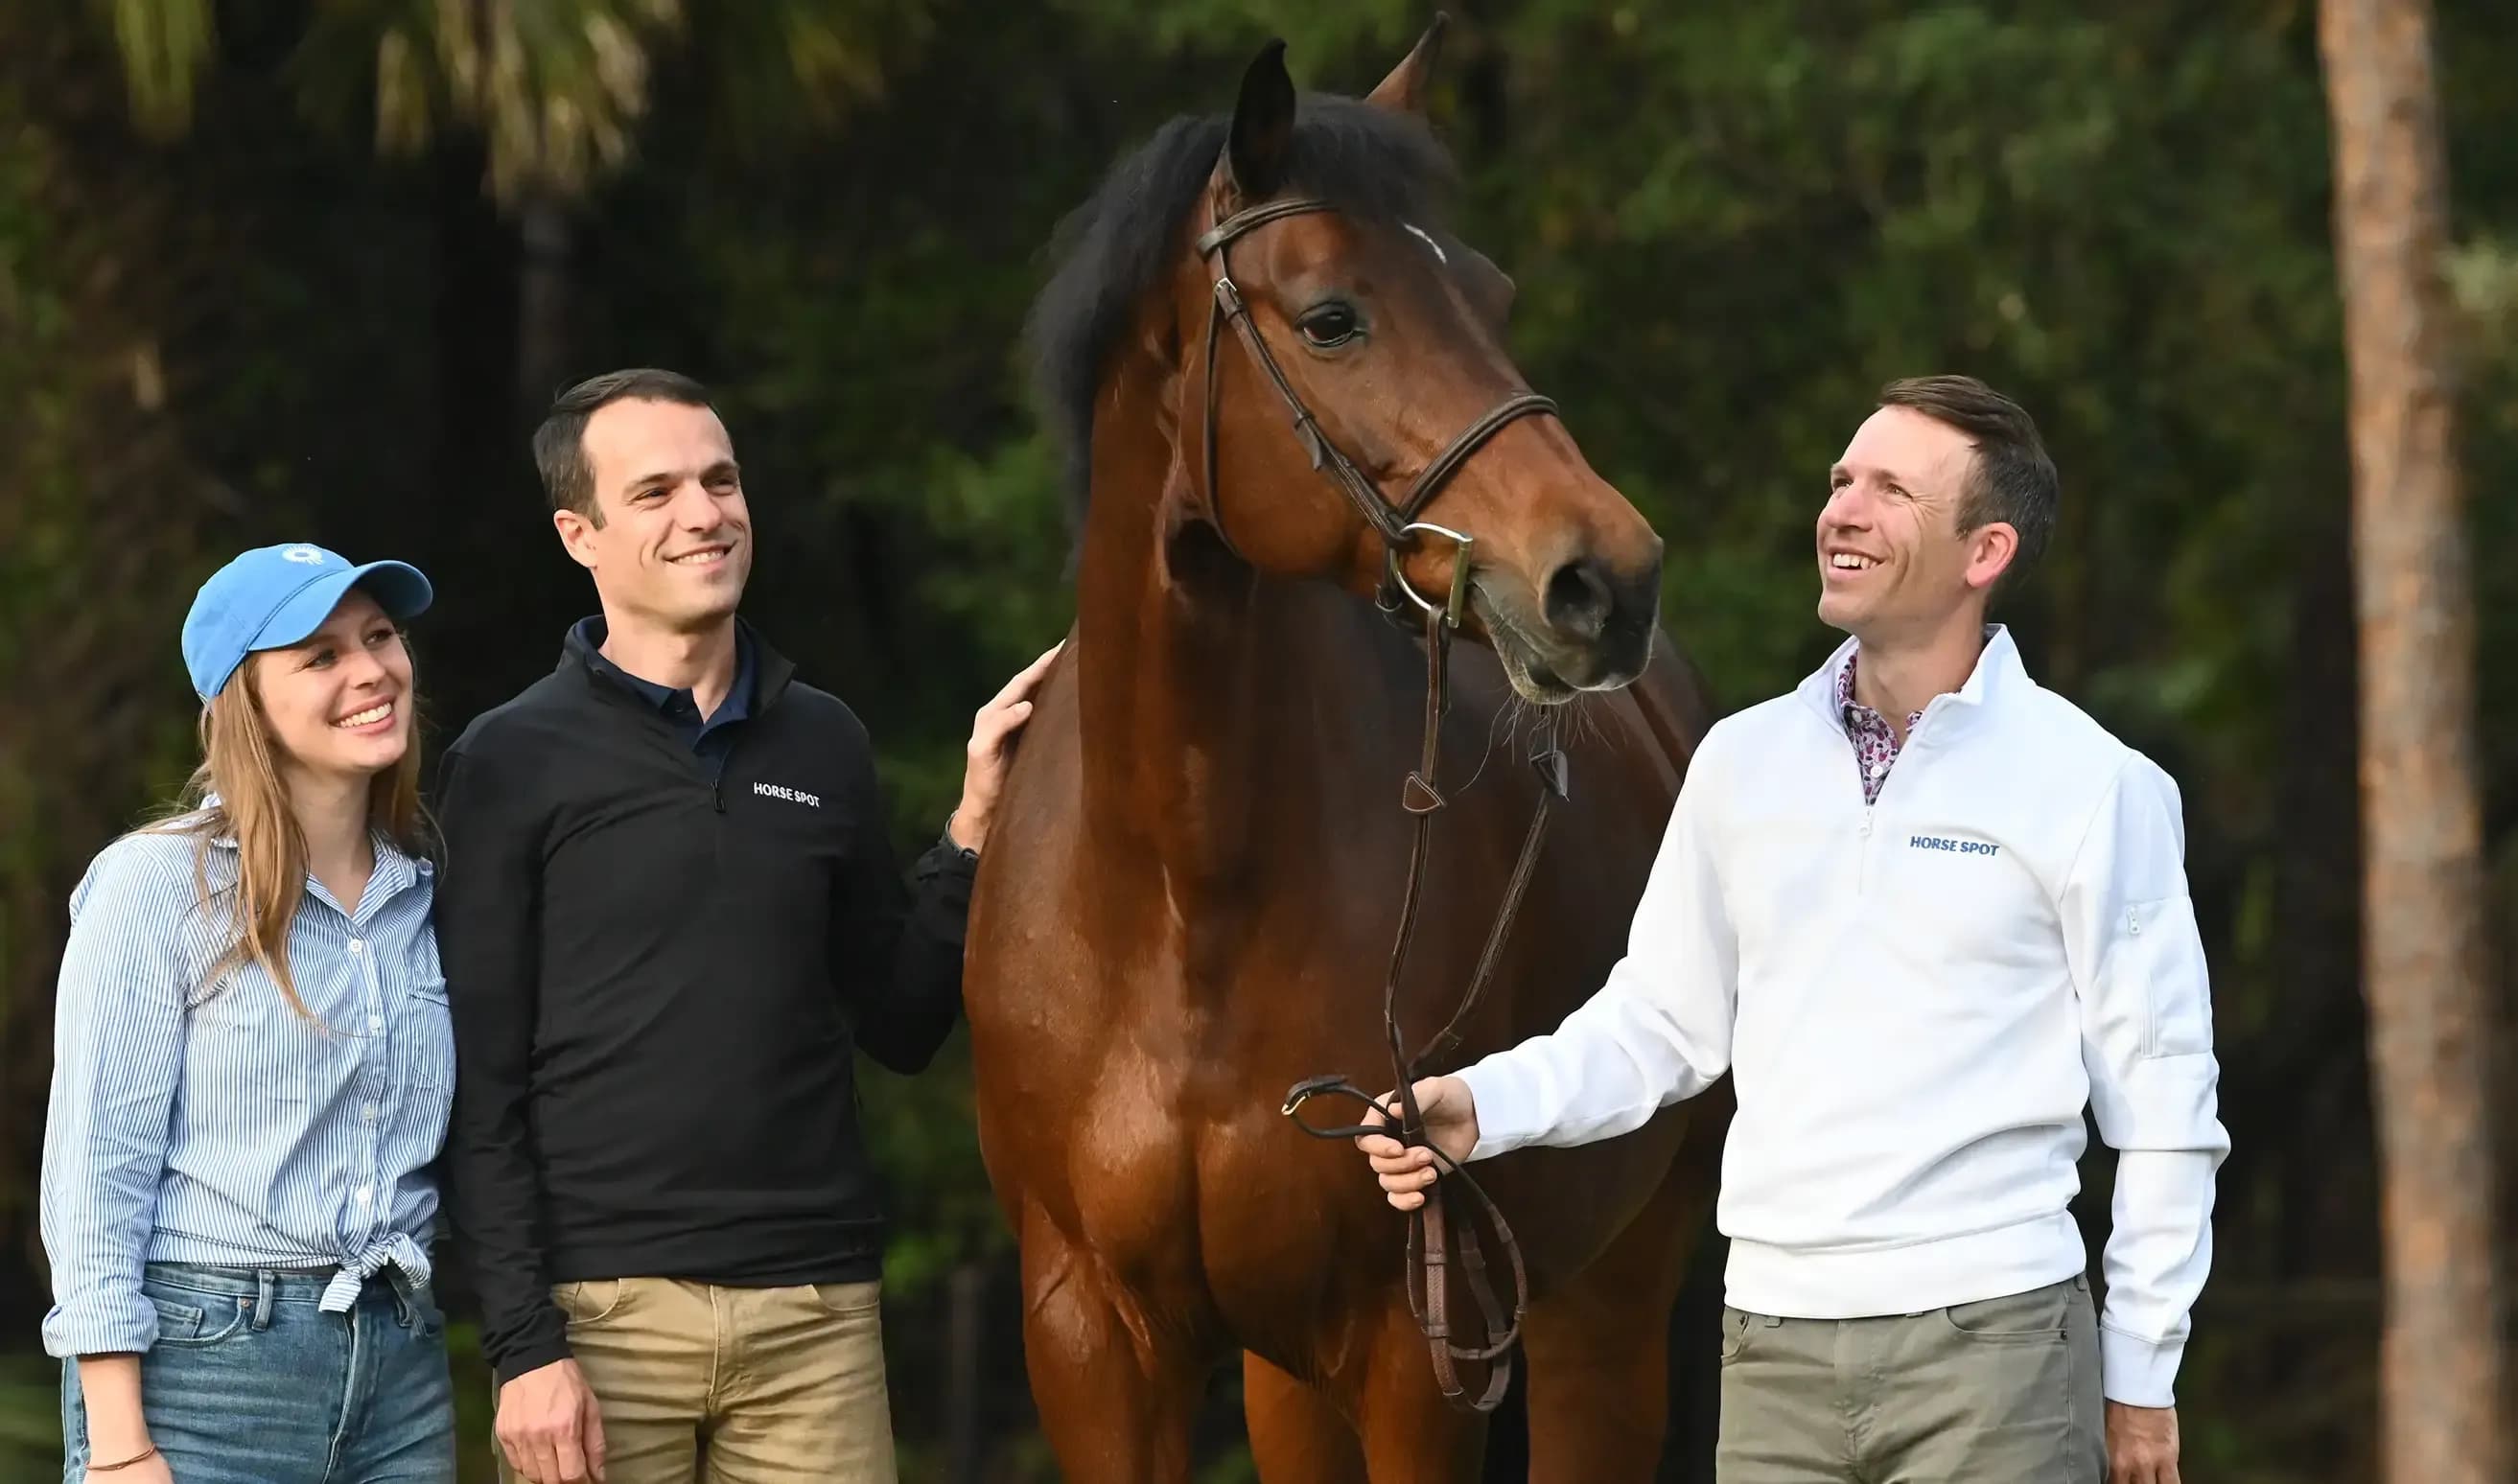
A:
(1139, 1099)
(1170, 1161)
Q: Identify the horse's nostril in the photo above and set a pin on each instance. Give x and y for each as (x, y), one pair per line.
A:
(1580, 600)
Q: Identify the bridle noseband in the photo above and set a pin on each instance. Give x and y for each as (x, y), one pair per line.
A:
(1399, 525)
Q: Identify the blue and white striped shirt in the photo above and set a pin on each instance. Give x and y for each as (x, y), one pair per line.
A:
(220, 1125)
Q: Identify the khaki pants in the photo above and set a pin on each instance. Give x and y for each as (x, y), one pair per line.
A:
(705, 1384)
(1999, 1391)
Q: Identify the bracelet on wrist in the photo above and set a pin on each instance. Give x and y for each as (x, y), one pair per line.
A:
(142, 1457)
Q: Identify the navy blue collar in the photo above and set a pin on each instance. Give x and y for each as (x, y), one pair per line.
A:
(677, 706)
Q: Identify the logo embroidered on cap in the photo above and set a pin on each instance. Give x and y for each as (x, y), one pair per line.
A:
(792, 795)
(306, 553)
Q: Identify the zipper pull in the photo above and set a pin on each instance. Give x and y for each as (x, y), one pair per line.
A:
(717, 791)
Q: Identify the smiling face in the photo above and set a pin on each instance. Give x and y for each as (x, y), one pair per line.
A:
(1893, 566)
(668, 538)
(338, 703)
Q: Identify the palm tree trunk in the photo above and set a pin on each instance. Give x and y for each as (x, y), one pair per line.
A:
(2443, 1390)
(541, 302)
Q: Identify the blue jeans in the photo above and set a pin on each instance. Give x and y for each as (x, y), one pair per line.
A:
(250, 1383)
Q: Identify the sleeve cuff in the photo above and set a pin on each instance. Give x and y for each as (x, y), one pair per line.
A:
(1504, 1121)
(2136, 1371)
(114, 1329)
(944, 857)
(531, 1355)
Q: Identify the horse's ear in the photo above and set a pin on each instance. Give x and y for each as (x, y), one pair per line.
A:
(1403, 90)
(1263, 123)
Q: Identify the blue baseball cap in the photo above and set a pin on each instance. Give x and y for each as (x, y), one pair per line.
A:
(273, 595)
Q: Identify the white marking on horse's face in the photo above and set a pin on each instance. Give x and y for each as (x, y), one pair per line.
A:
(1439, 256)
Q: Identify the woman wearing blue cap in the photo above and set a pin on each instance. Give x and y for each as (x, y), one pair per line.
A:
(253, 1066)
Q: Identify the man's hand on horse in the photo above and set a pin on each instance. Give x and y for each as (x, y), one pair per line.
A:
(992, 734)
(1450, 1119)
(2142, 1444)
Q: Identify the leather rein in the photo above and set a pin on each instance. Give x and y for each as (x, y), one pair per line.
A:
(1438, 1225)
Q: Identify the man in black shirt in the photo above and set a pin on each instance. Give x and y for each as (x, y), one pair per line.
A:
(670, 913)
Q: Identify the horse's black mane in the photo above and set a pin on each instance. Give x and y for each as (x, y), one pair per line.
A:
(1370, 162)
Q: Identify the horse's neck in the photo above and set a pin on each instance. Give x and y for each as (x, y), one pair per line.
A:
(1171, 706)
(1224, 714)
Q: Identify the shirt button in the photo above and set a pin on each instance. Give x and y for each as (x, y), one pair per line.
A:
(368, 1112)
(376, 1022)
(356, 946)
(361, 1194)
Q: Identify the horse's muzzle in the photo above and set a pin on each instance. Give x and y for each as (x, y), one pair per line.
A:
(1599, 621)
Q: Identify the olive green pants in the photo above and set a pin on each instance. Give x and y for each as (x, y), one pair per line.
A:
(1999, 1391)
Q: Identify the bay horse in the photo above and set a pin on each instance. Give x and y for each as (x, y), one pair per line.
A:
(1188, 897)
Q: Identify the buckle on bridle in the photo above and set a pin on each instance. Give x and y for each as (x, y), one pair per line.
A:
(1457, 598)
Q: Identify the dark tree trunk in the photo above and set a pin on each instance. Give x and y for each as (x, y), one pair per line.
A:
(544, 234)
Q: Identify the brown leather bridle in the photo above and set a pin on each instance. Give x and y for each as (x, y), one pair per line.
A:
(1431, 1225)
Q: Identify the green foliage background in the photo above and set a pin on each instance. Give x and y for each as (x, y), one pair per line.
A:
(271, 270)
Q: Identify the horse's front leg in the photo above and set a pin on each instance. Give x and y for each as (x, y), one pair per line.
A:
(1297, 1435)
(1598, 1347)
(1116, 1397)
(1412, 1435)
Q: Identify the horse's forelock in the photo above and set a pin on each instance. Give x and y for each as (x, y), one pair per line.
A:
(1367, 161)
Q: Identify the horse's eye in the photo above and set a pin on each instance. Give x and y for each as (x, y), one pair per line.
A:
(1329, 326)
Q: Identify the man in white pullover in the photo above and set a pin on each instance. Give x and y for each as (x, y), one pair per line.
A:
(1925, 913)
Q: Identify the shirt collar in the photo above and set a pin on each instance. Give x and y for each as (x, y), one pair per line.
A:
(1829, 688)
(591, 633)
(1851, 711)
(395, 867)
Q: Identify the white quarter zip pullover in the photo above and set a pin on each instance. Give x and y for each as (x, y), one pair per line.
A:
(1916, 997)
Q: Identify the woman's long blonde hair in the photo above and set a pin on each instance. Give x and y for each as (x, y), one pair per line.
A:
(240, 768)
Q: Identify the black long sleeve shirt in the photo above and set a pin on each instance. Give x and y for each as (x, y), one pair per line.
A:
(662, 943)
